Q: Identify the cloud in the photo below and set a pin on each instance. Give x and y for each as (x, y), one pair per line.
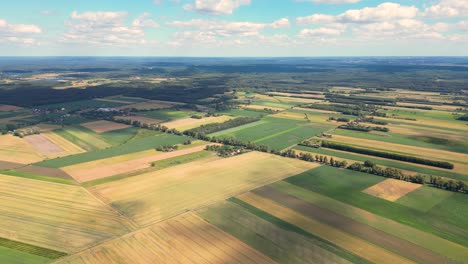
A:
(219, 31)
(383, 12)
(143, 21)
(227, 28)
(320, 32)
(106, 28)
(18, 33)
(216, 7)
(463, 25)
(448, 8)
(400, 29)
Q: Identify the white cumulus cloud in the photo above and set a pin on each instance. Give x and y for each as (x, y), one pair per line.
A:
(448, 8)
(216, 7)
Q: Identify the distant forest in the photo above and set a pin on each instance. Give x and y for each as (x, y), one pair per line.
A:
(197, 78)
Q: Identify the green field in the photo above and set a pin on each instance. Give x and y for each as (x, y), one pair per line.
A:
(424, 198)
(37, 177)
(347, 186)
(425, 142)
(242, 112)
(277, 133)
(128, 147)
(384, 162)
(17, 252)
(273, 237)
(158, 165)
(12, 256)
(167, 115)
(423, 239)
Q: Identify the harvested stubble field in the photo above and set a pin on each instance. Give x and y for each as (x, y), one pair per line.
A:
(446, 220)
(271, 237)
(158, 195)
(102, 126)
(436, 154)
(68, 147)
(336, 236)
(136, 145)
(84, 138)
(189, 123)
(392, 189)
(43, 145)
(262, 107)
(17, 150)
(405, 166)
(424, 239)
(98, 169)
(60, 217)
(183, 239)
(141, 119)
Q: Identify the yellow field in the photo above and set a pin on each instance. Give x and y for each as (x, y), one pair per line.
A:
(189, 123)
(57, 216)
(158, 195)
(342, 239)
(184, 239)
(15, 149)
(68, 147)
(89, 138)
(317, 117)
(391, 189)
(416, 151)
(411, 130)
(98, 169)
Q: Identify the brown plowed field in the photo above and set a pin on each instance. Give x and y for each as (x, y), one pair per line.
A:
(375, 236)
(102, 126)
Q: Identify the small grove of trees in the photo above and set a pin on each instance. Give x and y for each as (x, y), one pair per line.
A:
(371, 168)
(339, 119)
(225, 150)
(394, 156)
(449, 184)
(358, 127)
(167, 148)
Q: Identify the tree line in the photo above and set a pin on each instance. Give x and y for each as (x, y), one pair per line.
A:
(366, 167)
(394, 156)
(215, 127)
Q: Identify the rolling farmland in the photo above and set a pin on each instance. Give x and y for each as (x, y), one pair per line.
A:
(161, 194)
(185, 238)
(40, 213)
(291, 160)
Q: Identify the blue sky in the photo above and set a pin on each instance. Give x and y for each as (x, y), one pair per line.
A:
(234, 28)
